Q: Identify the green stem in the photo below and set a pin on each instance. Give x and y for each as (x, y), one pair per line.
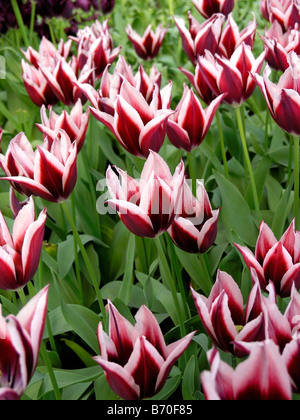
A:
(32, 20)
(296, 181)
(86, 260)
(50, 371)
(127, 283)
(222, 144)
(171, 7)
(20, 22)
(248, 163)
(76, 260)
(168, 277)
(192, 170)
(22, 296)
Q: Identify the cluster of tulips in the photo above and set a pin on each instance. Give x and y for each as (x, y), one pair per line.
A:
(137, 111)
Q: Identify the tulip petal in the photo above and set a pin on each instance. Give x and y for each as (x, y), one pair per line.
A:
(277, 262)
(8, 279)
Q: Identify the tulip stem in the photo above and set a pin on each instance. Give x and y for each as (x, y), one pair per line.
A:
(296, 181)
(20, 22)
(248, 163)
(77, 268)
(222, 145)
(50, 371)
(86, 260)
(166, 274)
(191, 156)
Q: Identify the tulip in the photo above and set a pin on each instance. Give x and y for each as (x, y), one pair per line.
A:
(147, 207)
(137, 126)
(195, 229)
(291, 358)
(231, 76)
(135, 358)
(20, 252)
(74, 124)
(200, 37)
(279, 44)
(95, 43)
(147, 46)
(20, 340)
(226, 322)
(232, 38)
(208, 7)
(287, 13)
(283, 99)
(187, 128)
(107, 6)
(110, 86)
(276, 261)
(262, 376)
(50, 172)
(38, 89)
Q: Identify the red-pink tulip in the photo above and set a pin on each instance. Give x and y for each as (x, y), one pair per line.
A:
(135, 358)
(285, 12)
(227, 323)
(195, 227)
(138, 126)
(283, 98)
(279, 44)
(50, 172)
(231, 76)
(188, 126)
(263, 376)
(95, 43)
(20, 340)
(148, 45)
(20, 251)
(208, 7)
(74, 124)
(200, 37)
(275, 261)
(148, 206)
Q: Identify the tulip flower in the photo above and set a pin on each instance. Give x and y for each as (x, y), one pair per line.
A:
(147, 46)
(291, 358)
(287, 13)
(135, 358)
(38, 89)
(200, 37)
(20, 340)
(95, 43)
(279, 44)
(20, 252)
(283, 98)
(74, 124)
(262, 376)
(107, 6)
(208, 7)
(232, 38)
(50, 172)
(231, 76)
(276, 261)
(137, 126)
(188, 126)
(195, 229)
(147, 207)
(226, 322)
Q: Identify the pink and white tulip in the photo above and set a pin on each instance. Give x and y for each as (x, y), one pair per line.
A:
(147, 207)
(50, 172)
(188, 126)
(148, 45)
(200, 37)
(20, 251)
(20, 340)
(263, 376)
(135, 358)
(74, 124)
(283, 98)
(138, 126)
(275, 261)
(195, 227)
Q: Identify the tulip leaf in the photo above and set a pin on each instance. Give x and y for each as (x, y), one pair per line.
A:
(84, 356)
(235, 212)
(84, 322)
(188, 381)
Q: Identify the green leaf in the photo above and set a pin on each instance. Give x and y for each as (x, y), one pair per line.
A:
(84, 322)
(84, 356)
(235, 212)
(188, 382)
